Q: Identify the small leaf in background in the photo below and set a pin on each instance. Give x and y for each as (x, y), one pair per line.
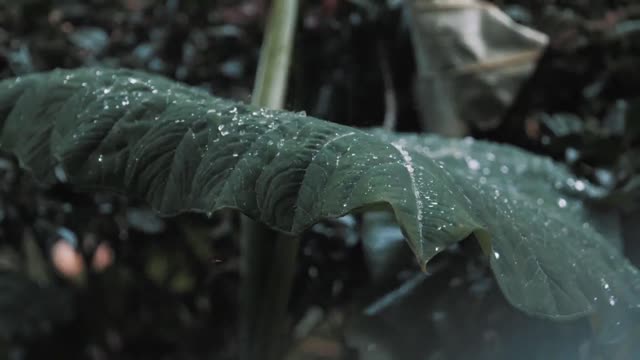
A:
(562, 125)
(20, 60)
(471, 60)
(92, 39)
(384, 246)
(144, 220)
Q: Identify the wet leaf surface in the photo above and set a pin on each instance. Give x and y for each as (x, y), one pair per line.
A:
(182, 150)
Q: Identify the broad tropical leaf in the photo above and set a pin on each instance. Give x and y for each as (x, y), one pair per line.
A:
(180, 149)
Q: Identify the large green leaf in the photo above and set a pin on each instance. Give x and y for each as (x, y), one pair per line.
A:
(183, 150)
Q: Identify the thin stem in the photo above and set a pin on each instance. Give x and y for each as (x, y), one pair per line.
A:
(270, 86)
(270, 267)
(269, 258)
(390, 102)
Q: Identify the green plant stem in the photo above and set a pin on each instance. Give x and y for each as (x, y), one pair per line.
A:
(270, 87)
(269, 258)
(270, 264)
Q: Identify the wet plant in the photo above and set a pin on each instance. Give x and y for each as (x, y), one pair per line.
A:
(180, 149)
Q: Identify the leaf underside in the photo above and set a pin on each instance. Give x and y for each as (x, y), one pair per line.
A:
(181, 149)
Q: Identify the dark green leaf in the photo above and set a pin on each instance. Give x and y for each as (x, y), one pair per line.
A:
(182, 150)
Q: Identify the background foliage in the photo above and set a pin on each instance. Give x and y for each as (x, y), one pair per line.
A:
(172, 298)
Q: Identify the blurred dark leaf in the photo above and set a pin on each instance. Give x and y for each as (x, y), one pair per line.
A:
(562, 125)
(384, 247)
(145, 220)
(28, 309)
(444, 309)
(20, 60)
(632, 122)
